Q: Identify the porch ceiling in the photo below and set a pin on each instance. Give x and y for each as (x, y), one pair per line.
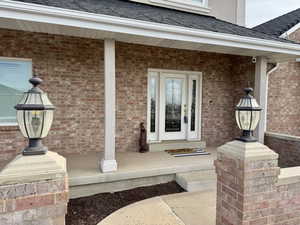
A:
(44, 19)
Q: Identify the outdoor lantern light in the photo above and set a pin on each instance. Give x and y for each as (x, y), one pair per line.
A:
(247, 116)
(35, 116)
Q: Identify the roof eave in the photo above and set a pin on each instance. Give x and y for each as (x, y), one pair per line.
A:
(60, 16)
(290, 31)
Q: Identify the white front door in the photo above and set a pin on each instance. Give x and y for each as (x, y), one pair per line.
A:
(173, 106)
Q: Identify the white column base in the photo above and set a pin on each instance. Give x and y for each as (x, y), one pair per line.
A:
(108, 165)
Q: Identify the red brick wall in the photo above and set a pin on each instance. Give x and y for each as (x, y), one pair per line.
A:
(224, 78)
(284, 97)
(38, 202)
(34, 203)
(288, 148)
(251, 191)
(287, 204)
(72, 69)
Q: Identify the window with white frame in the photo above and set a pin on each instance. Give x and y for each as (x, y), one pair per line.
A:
(201, 2)
(14, 76)
(200, 6)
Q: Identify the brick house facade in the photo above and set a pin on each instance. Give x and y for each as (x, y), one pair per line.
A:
(95, 59)
(284, 96)
(284, 81)
(72, 69)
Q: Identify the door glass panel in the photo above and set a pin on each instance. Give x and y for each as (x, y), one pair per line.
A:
(193, 106)
(153, 104)
(173, 105)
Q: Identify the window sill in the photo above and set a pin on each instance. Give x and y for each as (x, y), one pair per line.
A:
(186, 6)
(9, 127)
(153, 142)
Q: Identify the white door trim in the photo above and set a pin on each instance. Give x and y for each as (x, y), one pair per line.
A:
(196, 134)
(157, 136)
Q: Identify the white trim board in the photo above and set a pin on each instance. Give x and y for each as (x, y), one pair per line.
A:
(16, 58)
(51, 15)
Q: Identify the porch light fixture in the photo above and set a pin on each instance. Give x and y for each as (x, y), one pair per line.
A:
(247, 115)
(35, 116)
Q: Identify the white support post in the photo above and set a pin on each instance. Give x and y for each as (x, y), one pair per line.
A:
(108, 162)
(261, 95)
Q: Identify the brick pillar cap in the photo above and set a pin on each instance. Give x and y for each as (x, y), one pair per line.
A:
(26, 169)
(247, 151)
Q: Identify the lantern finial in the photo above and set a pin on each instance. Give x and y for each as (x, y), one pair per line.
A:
(248, 90)
(35, 81)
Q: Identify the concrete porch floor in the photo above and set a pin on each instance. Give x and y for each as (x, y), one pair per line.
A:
(134, 170)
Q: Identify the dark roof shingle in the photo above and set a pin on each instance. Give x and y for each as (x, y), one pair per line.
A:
(279, 25)
(144, 12)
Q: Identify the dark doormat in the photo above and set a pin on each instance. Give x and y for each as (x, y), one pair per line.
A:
(91, 210)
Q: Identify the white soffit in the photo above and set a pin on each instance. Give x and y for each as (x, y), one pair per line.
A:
(39, 18)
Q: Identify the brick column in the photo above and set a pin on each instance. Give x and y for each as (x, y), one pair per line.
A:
(246, 190)
(34, 190)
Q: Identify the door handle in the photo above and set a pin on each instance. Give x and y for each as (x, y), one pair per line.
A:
(185, 118)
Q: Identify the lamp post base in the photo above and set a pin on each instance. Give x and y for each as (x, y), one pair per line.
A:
(35, 147)
(247, 137)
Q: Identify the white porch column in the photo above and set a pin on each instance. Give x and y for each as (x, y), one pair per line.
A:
(108, 162)
(261, 95)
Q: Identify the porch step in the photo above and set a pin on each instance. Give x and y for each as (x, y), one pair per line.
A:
(197, 180)
(170, 145)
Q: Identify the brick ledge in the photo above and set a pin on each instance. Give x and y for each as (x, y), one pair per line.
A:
(283, 136)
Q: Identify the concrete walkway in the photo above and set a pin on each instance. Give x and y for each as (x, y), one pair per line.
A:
(196, 208)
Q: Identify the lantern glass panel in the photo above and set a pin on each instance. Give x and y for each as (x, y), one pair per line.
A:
(34, 99)
(247, 120)
(35, 123)
(45, 99)
(48, 118)
(255, 119)
(24, 98)
(247, 114)
(21, 122)
(34, 120)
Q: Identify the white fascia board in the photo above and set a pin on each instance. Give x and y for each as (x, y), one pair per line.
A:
(59, 16)
(290, 31)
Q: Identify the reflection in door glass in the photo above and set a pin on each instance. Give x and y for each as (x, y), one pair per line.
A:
(153, 104)
(173, 105)
(193, 106)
